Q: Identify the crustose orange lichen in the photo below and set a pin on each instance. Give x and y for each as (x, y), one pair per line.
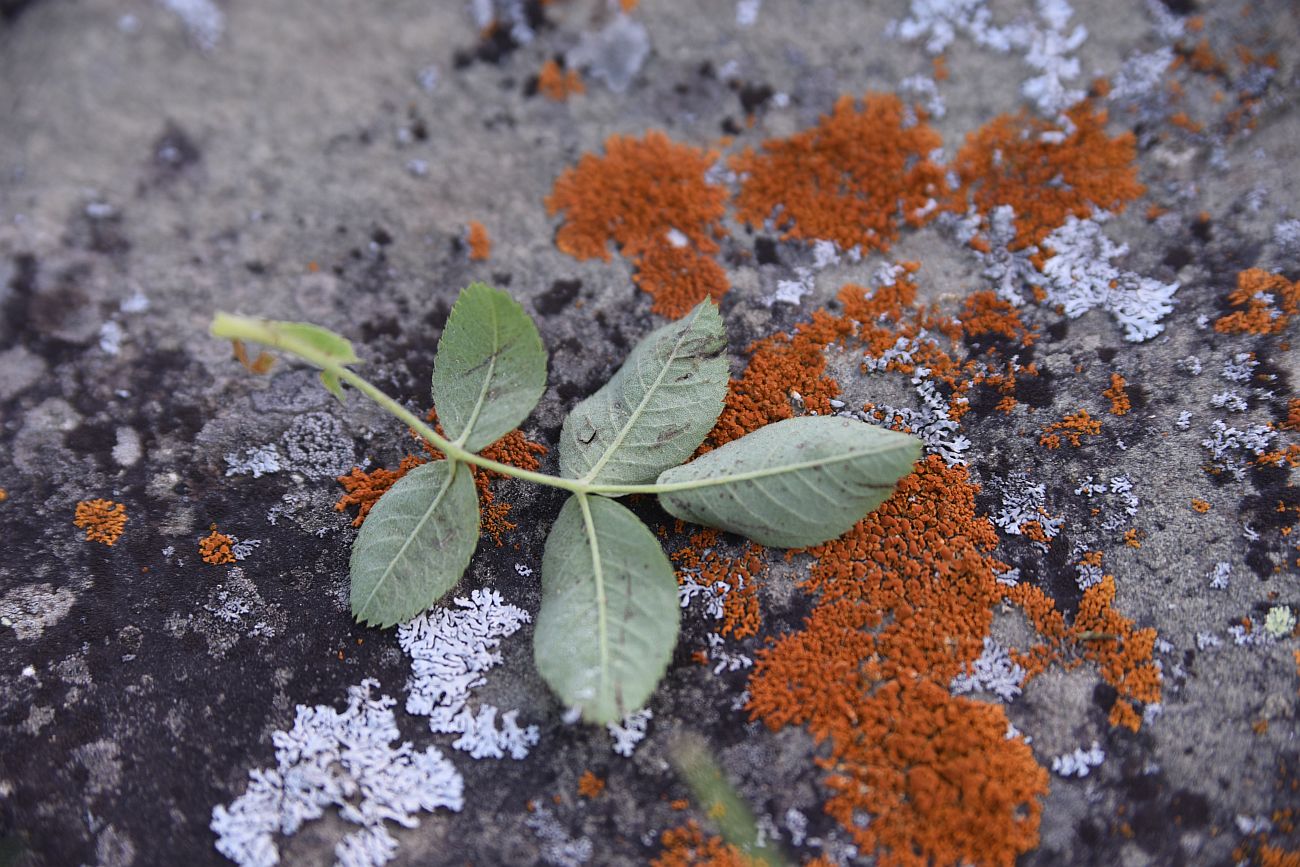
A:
(103, 520)
(648, 196)
(854, 178)
(216, 547)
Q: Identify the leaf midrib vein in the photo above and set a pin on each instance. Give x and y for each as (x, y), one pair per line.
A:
(401, 552)
(641, 405)
(487, 380)
(713, 481)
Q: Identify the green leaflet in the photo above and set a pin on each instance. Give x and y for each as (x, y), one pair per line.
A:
(490, 370)
(318, 345)
(335, 346)
(609, 613)
(794, 483)
(656, 410)
(415, 543)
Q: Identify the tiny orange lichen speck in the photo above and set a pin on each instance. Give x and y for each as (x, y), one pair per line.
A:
(558, 84)
(103, 520)
(1119, 400)
(590, 786)
(846, 179)
(1200, 505)
(215, 548)
(480, 245)
(1073, 427)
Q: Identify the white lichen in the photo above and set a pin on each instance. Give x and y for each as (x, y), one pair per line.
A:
(450, 649)
(1080, 762)
(343, 760)
(1081, 277)
(630, 732)
(993, 672)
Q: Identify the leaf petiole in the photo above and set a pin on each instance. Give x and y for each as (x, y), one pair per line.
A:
(271, 333)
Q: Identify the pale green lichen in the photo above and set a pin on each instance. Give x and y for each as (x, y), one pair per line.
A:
(1279, 622)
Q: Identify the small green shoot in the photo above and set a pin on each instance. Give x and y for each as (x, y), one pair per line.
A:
(609, 615)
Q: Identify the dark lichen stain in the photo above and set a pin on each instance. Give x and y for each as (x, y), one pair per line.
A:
(558, 297)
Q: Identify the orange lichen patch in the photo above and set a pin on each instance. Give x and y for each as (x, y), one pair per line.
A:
(4, 495)
(1004, 381)
(634, 195)
(680, 804)
(1119, 402)
(855, 178)
(678, 278)
(985, 313)
(1292, 415)
(903, 602)
(1073, 427)
(733, 579)
(1200, 505)
(363, 489)
(1123, 655)
(1276, 856)
(648, 196)
(688, 846)
(558, 84)
(786, 374)
(628, 5)
(780, 367)
(1133, 538)
(1203, 59)
(215, 548)
(939, 65)
(480, 245)
(1265, 304)
(1099, 634)
(590, 786)
(1018, 161)
(1184, 121)
(103, 520)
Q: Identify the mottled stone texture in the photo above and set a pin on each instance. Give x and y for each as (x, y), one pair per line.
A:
(300, 160)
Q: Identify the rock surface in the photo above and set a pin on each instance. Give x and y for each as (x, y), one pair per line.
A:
(324, 162)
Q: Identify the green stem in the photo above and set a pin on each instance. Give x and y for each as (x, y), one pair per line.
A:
(266, 333)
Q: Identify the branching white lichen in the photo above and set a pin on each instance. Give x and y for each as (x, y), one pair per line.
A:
(450, 649)
(558, 848)
(1080, 277)
(1220, 575)
(993, 672)
(932, 423)
(343, 760)
(1080, 762)
(1023, 503)
(630, 732)
(1047, 45)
